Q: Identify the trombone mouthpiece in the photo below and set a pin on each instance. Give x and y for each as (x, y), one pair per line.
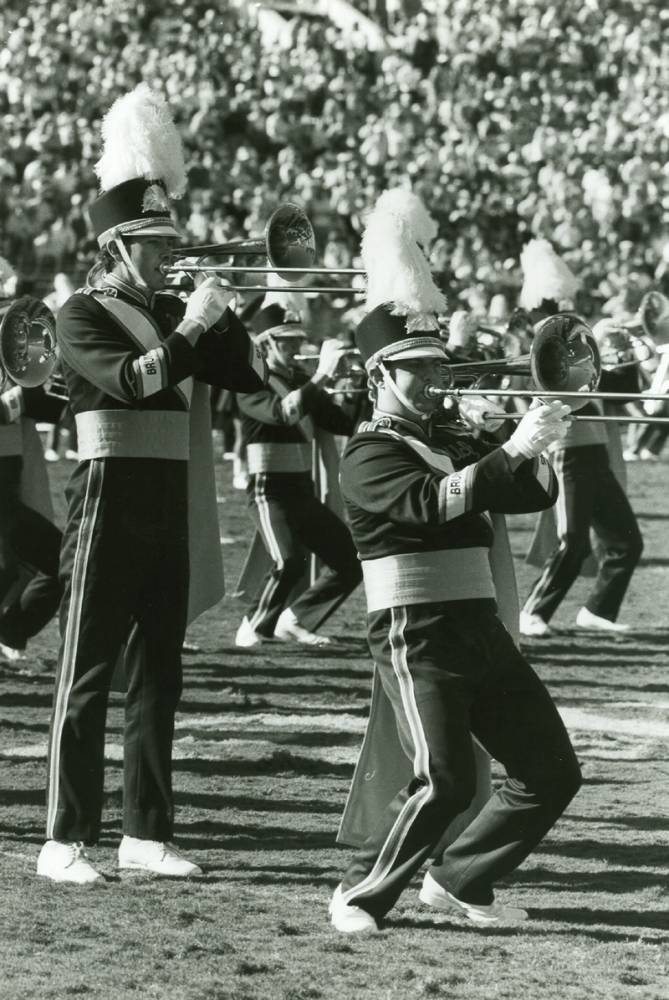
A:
(434, 392)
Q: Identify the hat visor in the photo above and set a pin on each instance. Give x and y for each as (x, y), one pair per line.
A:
(400, 353)
(157, 227)
(283, 332)
(416, 352)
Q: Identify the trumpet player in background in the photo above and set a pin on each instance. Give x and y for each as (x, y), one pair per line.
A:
(30, 590)
(279, 424)
(438, 586)
(590, 497)
(141, 551)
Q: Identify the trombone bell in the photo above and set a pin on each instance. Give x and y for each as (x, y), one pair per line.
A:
(28, 342)
(564, 356)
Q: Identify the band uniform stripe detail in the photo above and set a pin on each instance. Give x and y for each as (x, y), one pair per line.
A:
(560, 509)
(543, 472)
(12, 403)
(272, 544)
(414, 804)
(78, 588)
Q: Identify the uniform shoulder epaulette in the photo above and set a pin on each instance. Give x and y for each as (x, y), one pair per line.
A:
(383, 423)
(94, 290)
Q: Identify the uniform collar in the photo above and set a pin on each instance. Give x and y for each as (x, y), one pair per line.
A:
(129, 291)
(400, 424)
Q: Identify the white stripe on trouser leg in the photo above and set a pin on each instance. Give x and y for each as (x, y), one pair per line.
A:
(421, 763)
(270, 539)
(561, 527)
(71, 642)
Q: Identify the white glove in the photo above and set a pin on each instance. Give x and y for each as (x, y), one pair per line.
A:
(331, 354)
(473, 408)
(655, 407)
(538, 429)
(208, 302)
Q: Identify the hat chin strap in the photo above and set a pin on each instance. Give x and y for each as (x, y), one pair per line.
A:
(125, 257)
(391, 384)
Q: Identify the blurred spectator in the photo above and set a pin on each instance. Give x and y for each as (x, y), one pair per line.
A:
(511, 120)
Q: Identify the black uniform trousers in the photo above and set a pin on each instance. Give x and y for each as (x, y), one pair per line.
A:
(293, 523)
(590, 497)
(30, 590)
(451, 669)
(124, 562)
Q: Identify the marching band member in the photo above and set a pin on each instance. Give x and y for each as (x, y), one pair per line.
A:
(141, 551)
(30, 590)
(279, 423)
(591, 498)
(420, 513)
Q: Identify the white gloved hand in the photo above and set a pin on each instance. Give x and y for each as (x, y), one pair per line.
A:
(331, 354)
(539, 428)
(481, 414)
(208, 302)
(655, 407)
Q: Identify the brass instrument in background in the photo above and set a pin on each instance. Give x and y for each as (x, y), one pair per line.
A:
(564, 363)
(288, 243)
(27, 344)
(506, 339)
(563, 356)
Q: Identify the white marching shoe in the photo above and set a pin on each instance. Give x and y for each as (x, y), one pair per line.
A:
(350, 919)
(62, 861)
(246, 636)
(289, 630)
(533, 625)
(586, 619)
(493, 913)
(156, 857)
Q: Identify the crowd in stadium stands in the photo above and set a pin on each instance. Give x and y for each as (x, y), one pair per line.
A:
(510, 118)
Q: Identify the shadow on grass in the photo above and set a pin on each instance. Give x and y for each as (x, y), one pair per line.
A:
(579, 920)
(196, 800)
(628, 855)
(610, 881)
(632, 919)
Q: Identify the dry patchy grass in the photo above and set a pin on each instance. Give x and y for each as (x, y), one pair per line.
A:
(265, 745)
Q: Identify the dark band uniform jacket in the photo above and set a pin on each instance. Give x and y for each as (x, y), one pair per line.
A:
(427, 518)
(138, 389)
(278, 447)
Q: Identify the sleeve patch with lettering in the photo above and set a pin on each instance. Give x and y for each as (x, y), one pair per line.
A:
(150, 372)
(455, 492)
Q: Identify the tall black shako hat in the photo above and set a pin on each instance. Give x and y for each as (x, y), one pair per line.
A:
(275, 321)
(141, 168)
(402, 300)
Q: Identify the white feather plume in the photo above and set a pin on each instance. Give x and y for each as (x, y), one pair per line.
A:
(141, 140)
(398, 231)
(545, 275)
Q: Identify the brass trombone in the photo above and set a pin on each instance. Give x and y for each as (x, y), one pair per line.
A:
(564, 363)
(27, 344)
(288, 243)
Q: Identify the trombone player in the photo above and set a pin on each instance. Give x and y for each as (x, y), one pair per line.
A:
(590, 495)
(279, 423)
(141, 552)
(420, 513)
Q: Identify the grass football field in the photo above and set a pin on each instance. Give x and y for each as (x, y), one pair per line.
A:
(265, 744)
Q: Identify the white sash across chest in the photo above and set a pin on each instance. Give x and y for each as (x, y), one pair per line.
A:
(141, 331)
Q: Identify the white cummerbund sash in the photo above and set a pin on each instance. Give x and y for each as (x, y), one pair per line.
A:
(270, 456)
(423, 577)
(133, 434)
